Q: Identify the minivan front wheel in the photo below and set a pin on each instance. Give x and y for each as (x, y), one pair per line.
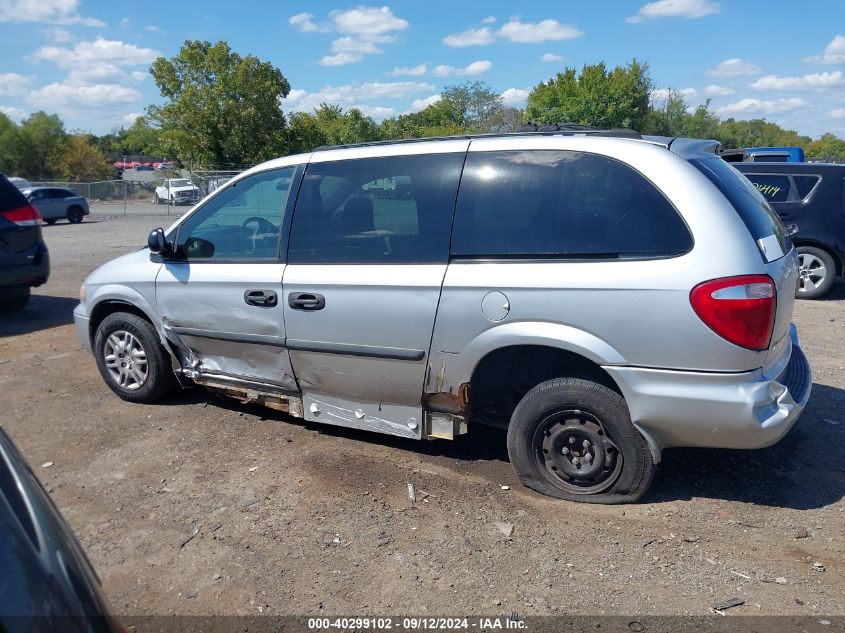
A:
(131, 360)
(573, 439)
(816, 270)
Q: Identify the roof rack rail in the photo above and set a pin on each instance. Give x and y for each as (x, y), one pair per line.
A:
(529, 129)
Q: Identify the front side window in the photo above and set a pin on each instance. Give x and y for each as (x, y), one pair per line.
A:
(562, 204)
(242, 222)
(394, 209)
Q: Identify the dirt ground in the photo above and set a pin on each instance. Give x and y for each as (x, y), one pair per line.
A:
(294, 518)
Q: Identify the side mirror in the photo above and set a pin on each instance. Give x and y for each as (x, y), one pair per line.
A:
(157, 242)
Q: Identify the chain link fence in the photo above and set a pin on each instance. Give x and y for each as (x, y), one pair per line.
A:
(136, 191)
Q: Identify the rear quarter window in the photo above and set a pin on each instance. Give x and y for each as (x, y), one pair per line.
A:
(774, 187)
(805, 185)
(562, 204)
(759, 218)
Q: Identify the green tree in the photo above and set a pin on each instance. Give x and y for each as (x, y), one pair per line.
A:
(329, 125)
(142, 137)
(673, 118)
(619, 98)
(757, 132)
(472, 105)
(80, 160)
(41, 136)
(826, 147)
(10, 146)
(221, 108)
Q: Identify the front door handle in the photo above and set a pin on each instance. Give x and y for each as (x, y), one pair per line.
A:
(261, 298)
(309, 301)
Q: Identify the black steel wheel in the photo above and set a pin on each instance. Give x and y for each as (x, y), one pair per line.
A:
(573, 439)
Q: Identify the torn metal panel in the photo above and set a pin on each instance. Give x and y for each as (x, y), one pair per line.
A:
(250, 392)
(391, 419)
(447, 402)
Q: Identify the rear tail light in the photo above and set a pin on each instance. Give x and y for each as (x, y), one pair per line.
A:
(23, 216)
(739, 309)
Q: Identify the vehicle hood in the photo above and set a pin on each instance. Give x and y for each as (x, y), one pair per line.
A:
(132, 267)
(188, 188)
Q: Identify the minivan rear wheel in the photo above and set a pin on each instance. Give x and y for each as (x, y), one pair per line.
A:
(131, 359)
(816, 271)
(573, 439)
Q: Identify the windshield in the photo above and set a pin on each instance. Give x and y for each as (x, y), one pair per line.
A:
(181, 183)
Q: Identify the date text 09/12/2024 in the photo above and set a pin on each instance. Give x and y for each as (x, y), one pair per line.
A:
(411, 624)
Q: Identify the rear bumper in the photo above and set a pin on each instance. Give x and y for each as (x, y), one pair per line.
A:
(743, 410)
(29, 269)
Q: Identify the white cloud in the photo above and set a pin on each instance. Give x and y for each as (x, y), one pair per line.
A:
(545, 31)
(816, 81)
(718, 91)
(341, 59)
(834, 53)
(100, 50)
(424, 102)
(349, 44)
(124, 23)
(690, 9)
(351, 95)
(734, 67)
(57, 94)
(762, 106)
(95, 73)
(406, 71)
(58, 35)
(16, 114)
(303, 22)
(139, 75)
(367, 22)
(376, 112)
(471, 37)
(152, 28)
(13, 84)
(46, 11)
(475, 68)
(129, 119)
(551, 57)
(660, 96)
(515, 97)
(838, 113)
(490, 19)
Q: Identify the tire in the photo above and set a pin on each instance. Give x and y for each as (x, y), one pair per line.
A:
(616, 465)
(157, 199)
(812, 284)
(74, 215)
(14, 303)
(50, 221)
(111, 340)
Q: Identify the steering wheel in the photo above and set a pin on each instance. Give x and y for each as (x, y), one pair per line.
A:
(263, 226)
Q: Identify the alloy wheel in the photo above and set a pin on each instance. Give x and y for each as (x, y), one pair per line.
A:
(126, 360)
(812, 272)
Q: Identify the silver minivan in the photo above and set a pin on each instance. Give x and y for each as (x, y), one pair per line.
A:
(601, 297)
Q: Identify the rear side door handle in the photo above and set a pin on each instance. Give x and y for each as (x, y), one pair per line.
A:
(308, 301)
(261, 298)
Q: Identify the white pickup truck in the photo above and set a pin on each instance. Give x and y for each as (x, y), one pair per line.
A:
(177, 191)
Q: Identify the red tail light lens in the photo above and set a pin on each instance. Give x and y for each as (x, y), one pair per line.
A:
(739, 309)
(23, 216)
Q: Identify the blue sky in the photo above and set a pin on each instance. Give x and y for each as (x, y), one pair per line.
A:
(88, 60)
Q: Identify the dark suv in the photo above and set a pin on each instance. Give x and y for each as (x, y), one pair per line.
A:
(811, 195)
(24, 261)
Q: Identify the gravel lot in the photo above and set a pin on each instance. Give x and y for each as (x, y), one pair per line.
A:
(293, 518)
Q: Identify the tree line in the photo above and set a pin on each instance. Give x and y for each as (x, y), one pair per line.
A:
(224, 110)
